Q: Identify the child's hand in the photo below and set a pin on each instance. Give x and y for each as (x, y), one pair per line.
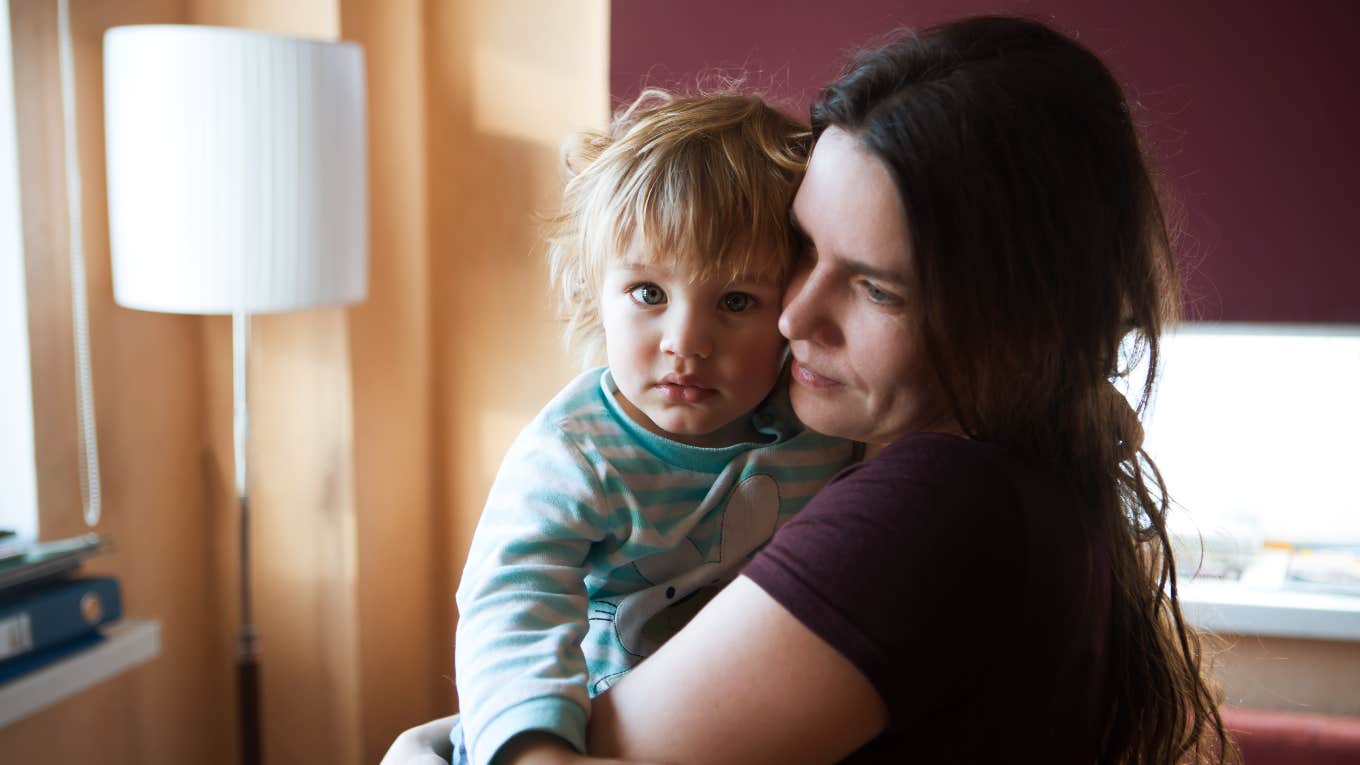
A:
(538, 748)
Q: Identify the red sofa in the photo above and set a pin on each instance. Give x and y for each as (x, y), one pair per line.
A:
(1292, 738)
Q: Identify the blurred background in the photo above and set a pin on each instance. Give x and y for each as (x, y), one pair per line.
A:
(378, 428)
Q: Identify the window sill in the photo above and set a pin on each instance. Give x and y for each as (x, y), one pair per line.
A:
(1239, 609)
(127, 643)
(1263, 603)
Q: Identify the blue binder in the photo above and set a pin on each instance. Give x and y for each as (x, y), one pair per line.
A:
(55, 614)
(35, 660)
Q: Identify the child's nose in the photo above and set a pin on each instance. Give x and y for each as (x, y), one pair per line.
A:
(688, 336)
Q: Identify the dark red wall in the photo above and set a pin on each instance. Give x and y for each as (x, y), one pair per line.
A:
(1252, 109)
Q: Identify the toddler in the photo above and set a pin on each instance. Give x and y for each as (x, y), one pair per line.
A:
(646, 484)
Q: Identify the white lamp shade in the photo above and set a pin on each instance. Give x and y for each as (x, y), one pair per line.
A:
(237, 170)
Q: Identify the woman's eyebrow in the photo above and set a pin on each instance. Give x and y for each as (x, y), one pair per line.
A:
(853, 266)
(879, 274)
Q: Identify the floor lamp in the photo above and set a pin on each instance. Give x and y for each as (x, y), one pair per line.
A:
(237, 184)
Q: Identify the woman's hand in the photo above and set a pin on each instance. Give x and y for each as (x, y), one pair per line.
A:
(538, 748)
(426, 744)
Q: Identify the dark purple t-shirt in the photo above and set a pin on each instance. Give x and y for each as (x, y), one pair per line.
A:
(966, 586)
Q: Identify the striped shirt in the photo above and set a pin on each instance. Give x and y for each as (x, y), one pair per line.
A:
(598, 541)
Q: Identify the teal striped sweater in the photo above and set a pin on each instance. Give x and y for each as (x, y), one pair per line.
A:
(598, 541)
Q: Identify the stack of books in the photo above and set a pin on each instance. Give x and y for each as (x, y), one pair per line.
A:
(47, 609)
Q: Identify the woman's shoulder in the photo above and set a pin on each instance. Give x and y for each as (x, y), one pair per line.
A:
(923, 493)
(935, 463)
(912, 536)
(941, 447)
(937, 486)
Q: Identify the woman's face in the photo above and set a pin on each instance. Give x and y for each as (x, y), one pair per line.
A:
(851, 312)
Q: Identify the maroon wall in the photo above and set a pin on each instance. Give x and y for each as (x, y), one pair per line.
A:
(1252, 110)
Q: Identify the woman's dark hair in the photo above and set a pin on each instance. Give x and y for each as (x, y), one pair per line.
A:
(1040, 245)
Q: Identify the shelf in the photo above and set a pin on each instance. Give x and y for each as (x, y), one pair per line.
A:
(127, 643)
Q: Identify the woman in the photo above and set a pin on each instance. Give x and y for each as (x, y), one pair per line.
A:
(982, 235)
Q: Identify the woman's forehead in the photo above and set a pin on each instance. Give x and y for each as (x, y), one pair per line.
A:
(849, 206)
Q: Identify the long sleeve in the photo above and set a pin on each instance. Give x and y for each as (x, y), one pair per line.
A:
(593, 530)
(522, 601)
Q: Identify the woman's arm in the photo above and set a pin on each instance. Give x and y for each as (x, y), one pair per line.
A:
(745, 682)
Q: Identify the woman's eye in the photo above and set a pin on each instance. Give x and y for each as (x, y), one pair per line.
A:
(648, 294)
(879, 296)
(736, 302)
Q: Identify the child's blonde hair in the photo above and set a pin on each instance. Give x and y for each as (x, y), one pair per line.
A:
(703, 182)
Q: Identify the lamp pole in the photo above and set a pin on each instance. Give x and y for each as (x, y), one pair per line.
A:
(238, 184)
(247, 648)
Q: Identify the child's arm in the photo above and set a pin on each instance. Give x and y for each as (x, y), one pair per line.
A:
(522, 599)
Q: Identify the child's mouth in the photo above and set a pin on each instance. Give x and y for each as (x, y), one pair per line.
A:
(684, 394)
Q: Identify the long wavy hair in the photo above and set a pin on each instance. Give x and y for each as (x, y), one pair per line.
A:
(1042, 249)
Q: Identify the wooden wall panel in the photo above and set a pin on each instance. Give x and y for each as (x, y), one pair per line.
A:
(376, 429)
(507, 81)
(1315, 676)
(148, 398)
(402, 565)
(305, 18)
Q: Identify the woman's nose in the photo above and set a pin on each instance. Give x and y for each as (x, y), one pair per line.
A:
(802, 311)
(687, 335)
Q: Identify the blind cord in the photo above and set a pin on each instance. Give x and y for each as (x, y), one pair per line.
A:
(80, 324)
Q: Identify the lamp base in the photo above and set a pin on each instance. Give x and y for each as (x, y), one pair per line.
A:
(248, 697)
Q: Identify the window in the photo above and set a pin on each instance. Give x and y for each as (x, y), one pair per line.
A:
(18, 475)
(1256, 429)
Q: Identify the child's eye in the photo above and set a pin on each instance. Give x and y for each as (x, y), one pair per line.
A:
(736, 302)
(648, 294)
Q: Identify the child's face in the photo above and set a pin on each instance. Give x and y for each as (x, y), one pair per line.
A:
(691, 358)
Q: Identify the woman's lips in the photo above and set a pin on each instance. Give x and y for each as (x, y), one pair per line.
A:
(811, 379)
(685, 394)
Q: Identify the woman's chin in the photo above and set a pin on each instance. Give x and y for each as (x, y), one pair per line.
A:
(820, 411)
